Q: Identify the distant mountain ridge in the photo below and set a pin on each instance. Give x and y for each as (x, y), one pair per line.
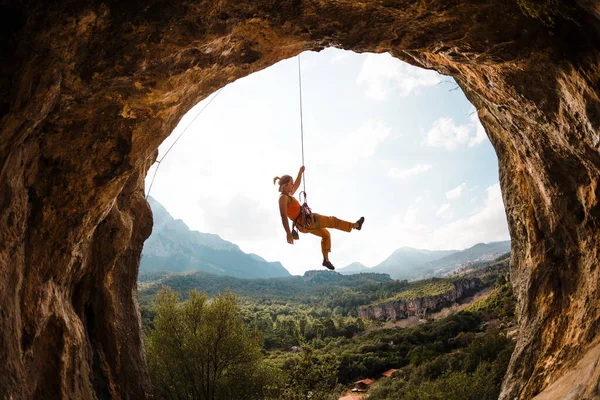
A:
(172, 246)
(409, 263)
(477, 253)
(401, 264)
(354, 268)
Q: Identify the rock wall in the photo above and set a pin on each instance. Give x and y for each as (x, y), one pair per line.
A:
(400, 309)
(89, 89)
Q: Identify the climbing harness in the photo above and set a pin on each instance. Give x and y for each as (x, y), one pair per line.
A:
(305, 218)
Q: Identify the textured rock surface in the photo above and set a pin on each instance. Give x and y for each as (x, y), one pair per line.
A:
(401, 309)
(89, 89)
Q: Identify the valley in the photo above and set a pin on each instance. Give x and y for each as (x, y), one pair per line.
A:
(315, 323)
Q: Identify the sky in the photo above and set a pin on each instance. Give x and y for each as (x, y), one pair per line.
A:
(399, 145)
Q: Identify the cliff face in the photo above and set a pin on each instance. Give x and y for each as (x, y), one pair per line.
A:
(89, 89)
(400, 309)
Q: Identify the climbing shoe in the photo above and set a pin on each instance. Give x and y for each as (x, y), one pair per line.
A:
(327, 264)
(360, 222)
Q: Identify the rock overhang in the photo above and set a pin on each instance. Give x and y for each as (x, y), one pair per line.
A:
(91, 89)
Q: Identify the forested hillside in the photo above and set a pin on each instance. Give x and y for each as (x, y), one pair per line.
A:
(314, 342)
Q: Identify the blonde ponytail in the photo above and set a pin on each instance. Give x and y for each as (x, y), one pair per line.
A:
(283, 180)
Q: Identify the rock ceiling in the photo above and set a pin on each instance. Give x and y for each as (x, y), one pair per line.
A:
(89, 89)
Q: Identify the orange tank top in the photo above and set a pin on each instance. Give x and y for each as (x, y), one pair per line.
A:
(293, 208)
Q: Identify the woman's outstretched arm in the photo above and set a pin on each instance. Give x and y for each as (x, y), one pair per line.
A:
(298, 179)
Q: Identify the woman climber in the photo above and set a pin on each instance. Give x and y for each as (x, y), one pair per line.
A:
(306, 221)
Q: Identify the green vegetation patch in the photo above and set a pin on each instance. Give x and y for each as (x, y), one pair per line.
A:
(288, 311)
(499, 304)
(454, 358)
(427, 288)
(419, 289)
(247, 344)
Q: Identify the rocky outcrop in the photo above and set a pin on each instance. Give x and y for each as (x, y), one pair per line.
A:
(89, 89)
(400, 309)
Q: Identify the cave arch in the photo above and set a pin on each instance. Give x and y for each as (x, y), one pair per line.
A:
(90, 89)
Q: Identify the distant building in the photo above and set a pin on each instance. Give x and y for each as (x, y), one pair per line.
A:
(362, 385)
(389, 372)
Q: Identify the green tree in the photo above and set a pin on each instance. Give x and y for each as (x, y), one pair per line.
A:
(288, 331)
(200, 348)
(310, 375)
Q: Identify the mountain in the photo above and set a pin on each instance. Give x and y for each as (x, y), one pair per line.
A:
(411, 264)
(403, 262)
(173, 247)
(478, 253)
(354, 268)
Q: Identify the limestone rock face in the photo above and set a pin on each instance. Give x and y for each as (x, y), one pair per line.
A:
(400, 309)
(89, 89)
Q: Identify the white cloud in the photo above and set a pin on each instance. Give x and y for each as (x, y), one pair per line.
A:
(233, 221)
(486, 225)
(480, 135)
(456, 192)
(339, 55)
(383, 74)
(445, 211)
(363, 142)
(358, 145)
(406, 172)
(445, 133)
(410, 216)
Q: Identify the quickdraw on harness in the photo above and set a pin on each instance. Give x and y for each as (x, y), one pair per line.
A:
(304, 219)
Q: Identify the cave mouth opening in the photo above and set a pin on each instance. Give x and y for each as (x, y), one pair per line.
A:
(385, 139)
(94, 89)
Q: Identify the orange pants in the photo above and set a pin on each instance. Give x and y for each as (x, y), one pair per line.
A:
(318, 227)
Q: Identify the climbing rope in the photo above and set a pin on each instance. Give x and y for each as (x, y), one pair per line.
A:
(303, 192)
(176, 140)
(137, 225)
(304, 209)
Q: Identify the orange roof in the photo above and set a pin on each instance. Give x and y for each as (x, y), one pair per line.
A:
(389, 372)
(365, 381)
